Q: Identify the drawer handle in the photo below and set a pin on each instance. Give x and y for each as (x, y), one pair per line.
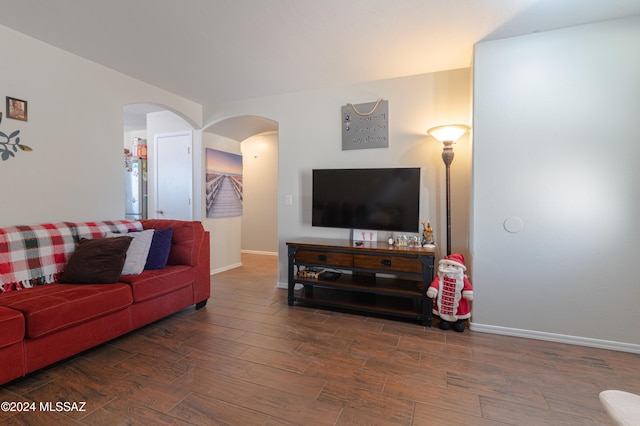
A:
(322, 257)
(385, 262)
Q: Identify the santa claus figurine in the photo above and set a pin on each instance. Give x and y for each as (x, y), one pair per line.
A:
(452, 292)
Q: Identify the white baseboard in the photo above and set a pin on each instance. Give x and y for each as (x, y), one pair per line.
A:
(560, 338)
(283, 285)
(239, 264)
(225, 268)
(267, 253)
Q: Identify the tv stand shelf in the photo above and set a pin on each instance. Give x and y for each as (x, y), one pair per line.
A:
(376, 278)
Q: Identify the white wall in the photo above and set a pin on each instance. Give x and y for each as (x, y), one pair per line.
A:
(260, 189)
(75, 128)
(556, 145)
(310, 137)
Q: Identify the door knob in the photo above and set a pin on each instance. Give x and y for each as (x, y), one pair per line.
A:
(160, 211)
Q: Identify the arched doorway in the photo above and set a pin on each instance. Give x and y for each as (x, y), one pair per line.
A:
(143, 124)
(256, 140)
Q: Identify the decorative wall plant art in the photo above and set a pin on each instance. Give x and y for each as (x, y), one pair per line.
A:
(10, 144)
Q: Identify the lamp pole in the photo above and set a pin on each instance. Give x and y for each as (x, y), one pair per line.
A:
(447, 157)
(448, 134)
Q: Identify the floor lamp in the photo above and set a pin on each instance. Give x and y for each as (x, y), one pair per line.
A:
(448, 134)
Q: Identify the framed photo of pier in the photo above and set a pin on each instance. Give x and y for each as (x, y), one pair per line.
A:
(223, 183)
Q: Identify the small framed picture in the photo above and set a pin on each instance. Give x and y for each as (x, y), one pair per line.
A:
(16, 109)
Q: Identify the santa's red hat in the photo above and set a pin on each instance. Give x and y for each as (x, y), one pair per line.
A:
(456, 259)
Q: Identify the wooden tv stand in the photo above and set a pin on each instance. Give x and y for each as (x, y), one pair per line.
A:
(375, 278)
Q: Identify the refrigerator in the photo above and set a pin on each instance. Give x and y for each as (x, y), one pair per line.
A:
(135, 189)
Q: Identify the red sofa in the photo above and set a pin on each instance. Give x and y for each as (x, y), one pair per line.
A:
(48, 323)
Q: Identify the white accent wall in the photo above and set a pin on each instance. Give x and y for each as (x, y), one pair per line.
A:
(556, 145)
(260, 189)
(75, 129)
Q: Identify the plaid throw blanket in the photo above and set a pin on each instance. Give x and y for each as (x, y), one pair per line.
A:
(37, 254)
(99, 229)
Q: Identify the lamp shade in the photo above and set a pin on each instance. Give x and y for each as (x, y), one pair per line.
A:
(449, 132)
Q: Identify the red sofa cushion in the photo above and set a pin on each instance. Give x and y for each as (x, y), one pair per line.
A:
(186, 241)
(153, 283)
(53, 307)
(12, 326)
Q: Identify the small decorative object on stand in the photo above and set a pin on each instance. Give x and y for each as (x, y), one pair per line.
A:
(427, 233)
(402, 241)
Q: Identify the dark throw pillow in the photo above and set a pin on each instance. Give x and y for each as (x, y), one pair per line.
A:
(98, 261)
(160, 248)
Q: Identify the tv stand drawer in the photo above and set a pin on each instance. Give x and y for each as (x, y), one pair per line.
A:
(319, 257)
(383, 263)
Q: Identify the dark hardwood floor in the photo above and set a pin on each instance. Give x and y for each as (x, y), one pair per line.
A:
(249, 359)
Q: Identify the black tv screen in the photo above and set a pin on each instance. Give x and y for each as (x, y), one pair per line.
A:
(386, 199)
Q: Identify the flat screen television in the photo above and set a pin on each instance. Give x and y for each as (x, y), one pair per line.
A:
(383, 199)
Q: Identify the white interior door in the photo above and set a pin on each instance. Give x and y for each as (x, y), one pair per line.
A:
(174, 176)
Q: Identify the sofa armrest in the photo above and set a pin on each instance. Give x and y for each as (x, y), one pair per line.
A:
(190, 246)
(202, 288)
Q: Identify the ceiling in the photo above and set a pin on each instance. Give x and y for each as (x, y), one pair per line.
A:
(213, 51)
